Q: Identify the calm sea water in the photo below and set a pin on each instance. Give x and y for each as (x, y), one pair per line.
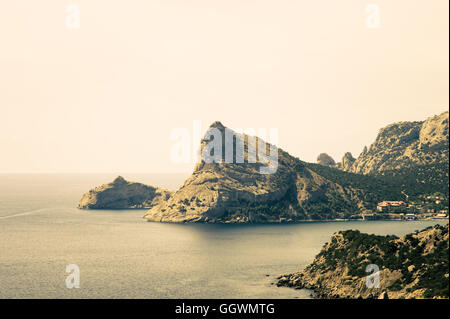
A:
(122, 256)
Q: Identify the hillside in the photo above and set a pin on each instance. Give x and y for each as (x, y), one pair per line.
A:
(401, 184)
(373, 189)
(407, 159)
(414, 266)
(405, 145)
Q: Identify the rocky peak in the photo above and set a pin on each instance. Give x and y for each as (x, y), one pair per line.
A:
(119, 180)
(221, 145)
(348, 157)
(325, 160)
(347, 161)
(218, 125)
(364, 150)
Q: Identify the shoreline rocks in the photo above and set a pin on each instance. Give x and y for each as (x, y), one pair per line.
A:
(414, 266)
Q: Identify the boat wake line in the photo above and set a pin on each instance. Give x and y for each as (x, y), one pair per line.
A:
(25, 213)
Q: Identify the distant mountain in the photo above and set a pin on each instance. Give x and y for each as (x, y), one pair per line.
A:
(405, 144)
(414, 266)
(221, 191)
(346, 164)
(410, 158)
(121, 194)
(325, 160)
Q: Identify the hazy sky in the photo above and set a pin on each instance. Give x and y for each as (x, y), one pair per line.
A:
(106, 96)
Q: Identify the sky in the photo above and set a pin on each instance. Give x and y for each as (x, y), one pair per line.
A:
(106, 94)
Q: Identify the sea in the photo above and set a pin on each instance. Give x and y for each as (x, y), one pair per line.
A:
(117, 254)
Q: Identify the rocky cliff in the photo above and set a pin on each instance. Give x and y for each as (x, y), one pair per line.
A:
(347, 162)
(405, 144)
(121, 194)
(414, 266)
(221, 191)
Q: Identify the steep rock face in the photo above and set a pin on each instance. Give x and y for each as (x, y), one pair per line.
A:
(325, 160)
(121, 194)
(221, 191)
(347, 162)
(405, 144)
(434, 130)
(414, 266)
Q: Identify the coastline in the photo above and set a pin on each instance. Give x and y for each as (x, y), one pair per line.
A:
(295, 222)
(355, 265)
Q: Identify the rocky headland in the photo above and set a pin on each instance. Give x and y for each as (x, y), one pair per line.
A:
(414, 266)
(224, 192)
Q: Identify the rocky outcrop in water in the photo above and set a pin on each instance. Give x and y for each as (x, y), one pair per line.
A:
(414, 266)
(121, 194)
(224, 191)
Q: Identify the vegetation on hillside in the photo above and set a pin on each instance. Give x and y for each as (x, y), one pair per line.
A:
(419, 180)
(401, 184)
(414, 266)
(420, 266)
(374, 188)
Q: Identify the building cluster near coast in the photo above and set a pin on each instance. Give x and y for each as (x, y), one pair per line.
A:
(400, 210)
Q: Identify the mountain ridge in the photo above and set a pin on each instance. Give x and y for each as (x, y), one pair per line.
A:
(400, 145)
